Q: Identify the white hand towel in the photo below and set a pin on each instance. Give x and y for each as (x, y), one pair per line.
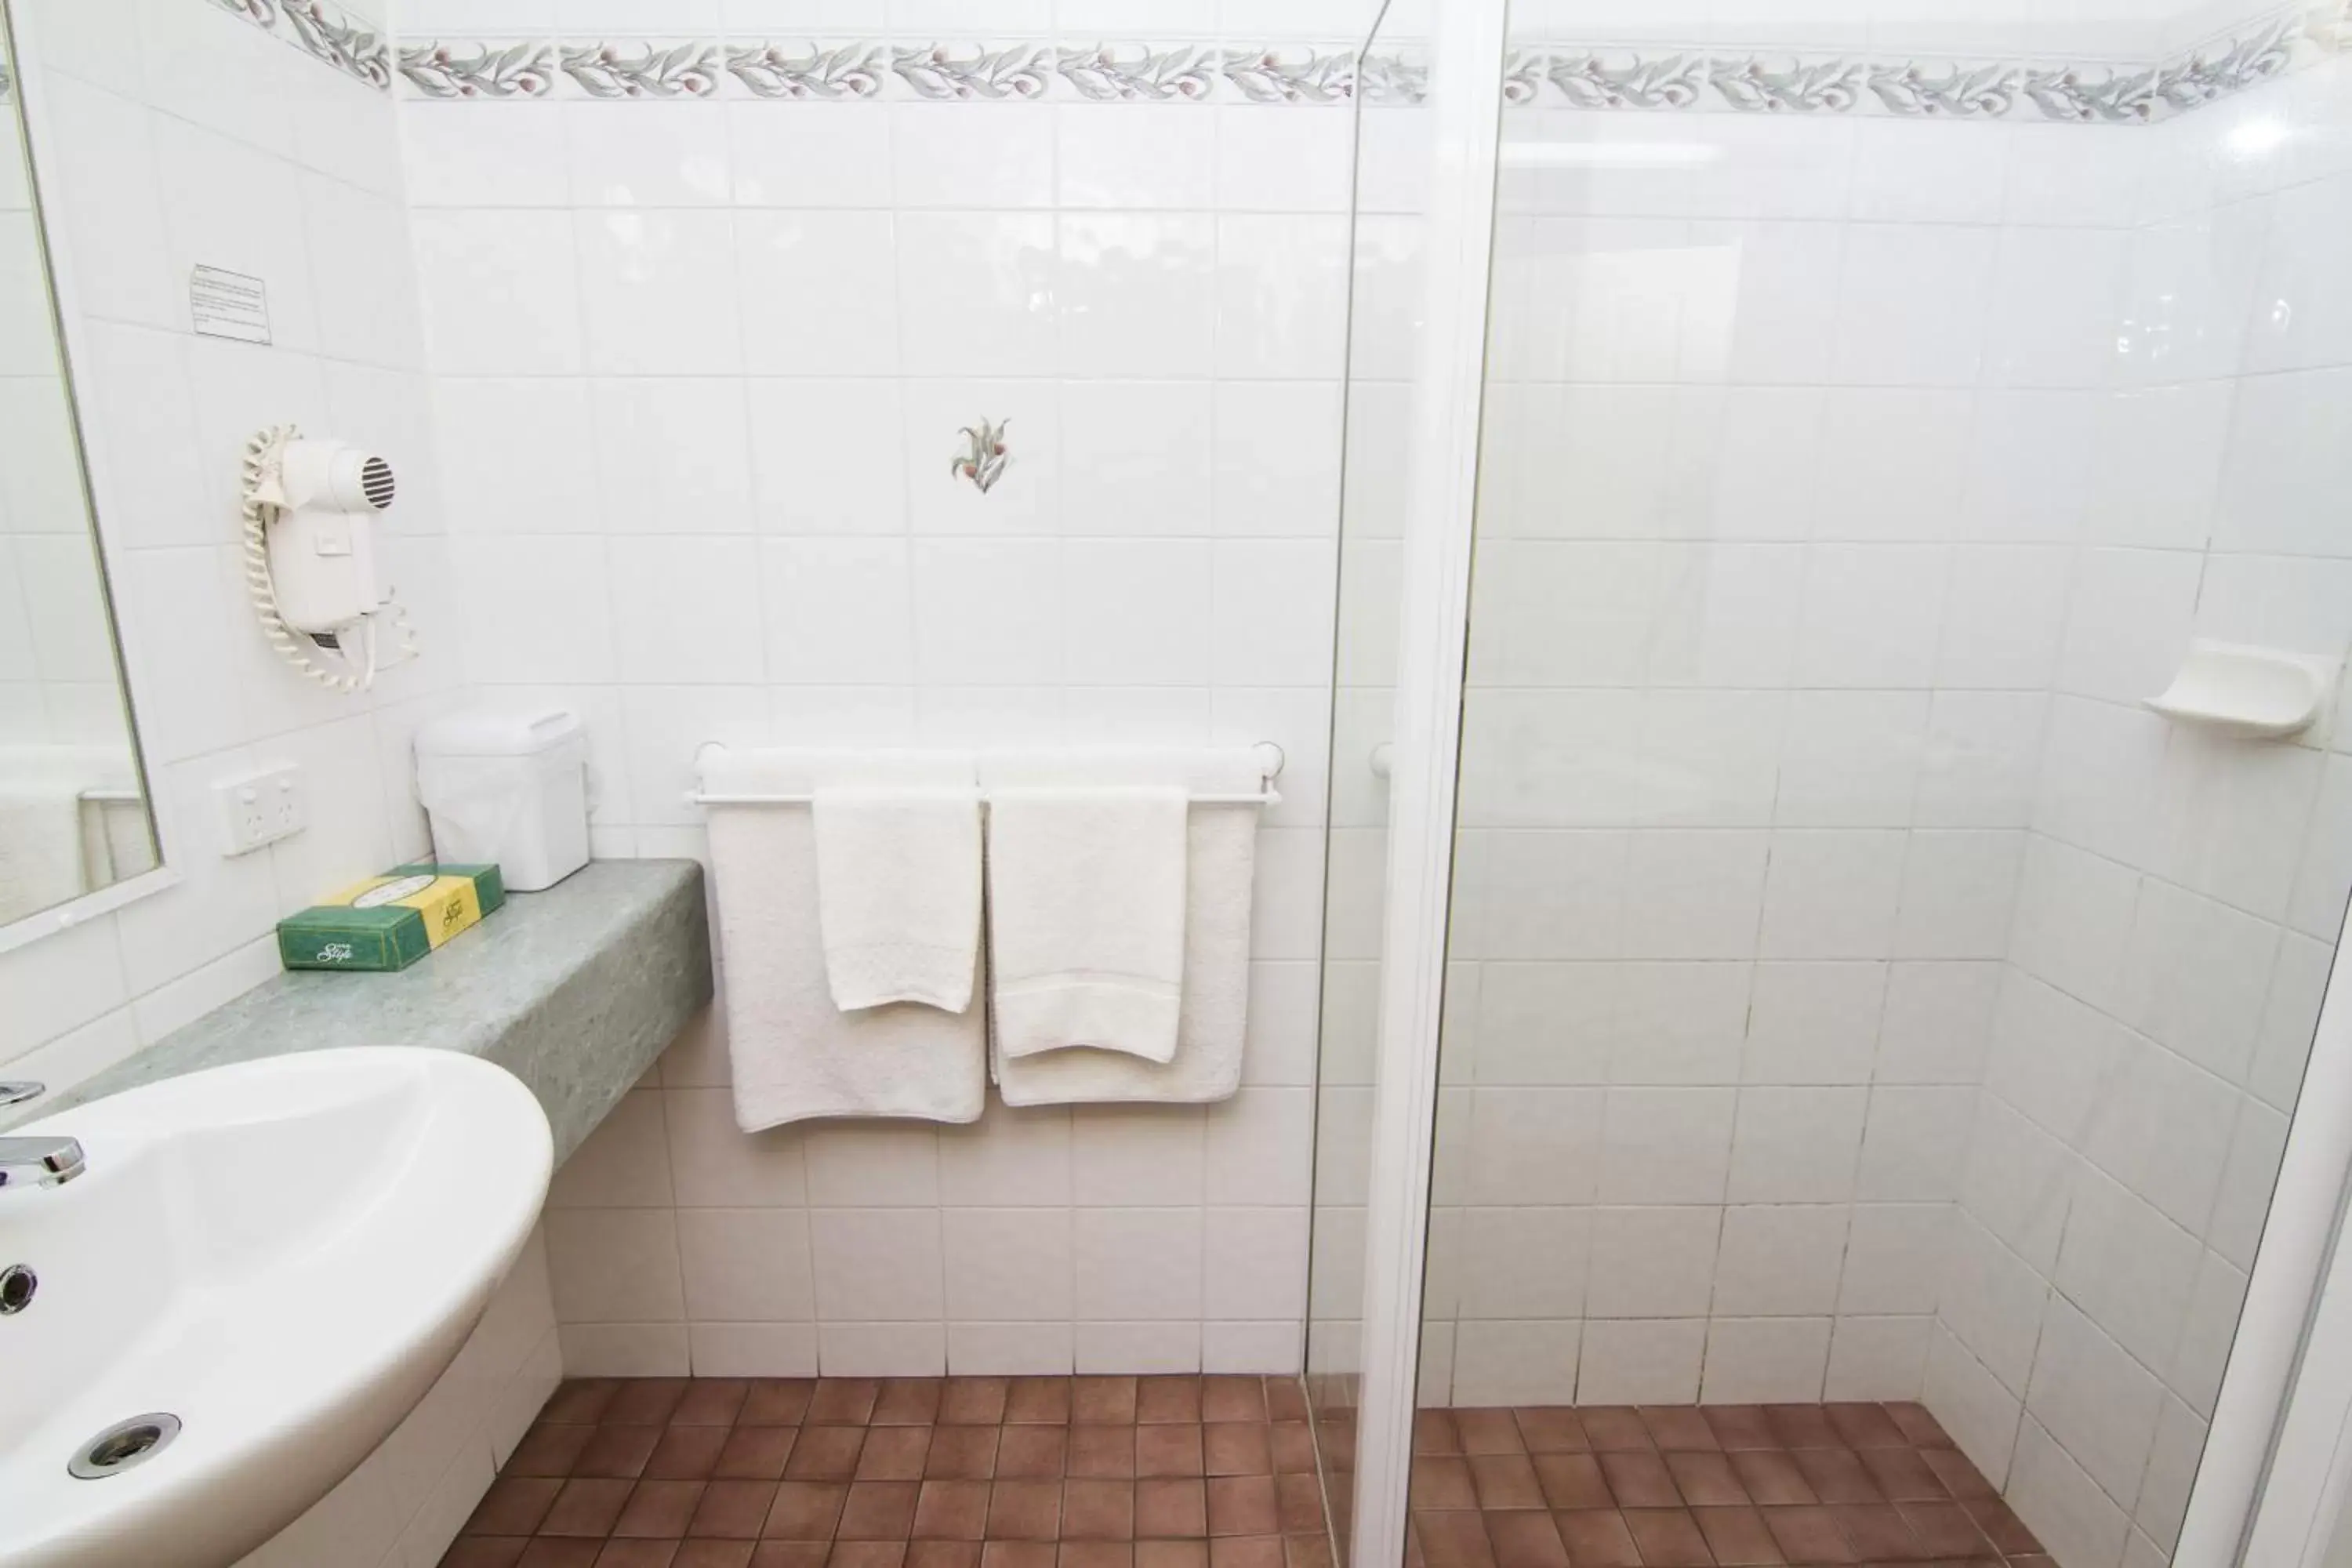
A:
(1086, 897)
(1214, 1020)
(898, 877)
(795, 1055)
(40, 847)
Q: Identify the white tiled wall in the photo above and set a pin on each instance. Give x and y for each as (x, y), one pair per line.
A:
(701, 371)
(2181, 895)
(178, 134)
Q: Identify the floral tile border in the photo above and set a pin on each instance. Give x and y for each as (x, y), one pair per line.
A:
(325, 32)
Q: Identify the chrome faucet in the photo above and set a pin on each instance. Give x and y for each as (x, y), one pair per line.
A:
(38, 1162)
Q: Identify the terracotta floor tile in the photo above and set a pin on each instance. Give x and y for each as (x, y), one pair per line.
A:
(484, 1552)
(660, 1510)
(1680, 1426)
(961, 1453)
(777, 1402)
(1668, 1538)
(1102, 1401)
(620, 1554)
(1306, 1551)
(1944, 1529)
(805, 1511)
(2002, 1528)
(1454, 1539)
(1738, 1536)
(1441, 1481)
(1489, 1432)
(580, 1399)
(1243, 1505)
(586, 1506)
(1639, 1480)
(824, 1454)
(513, 1506)
(1173, 1507)
(1292, 1444)
(1876, 1532)
(1920, 1428)
(1097, 1510)
(879, 1511)
(751, 1453)
(1807, 1534)
(867, 1554)
(1866, 1425)
(716, 1553)
(617, 1452)
(1551, 1431)
(1101, 1453)
(1597, 1538)
(1233, 1398)
(1033, 1452)
(1246, 1551)
(1526, 1538)
(1902, 1475)
(1706, 1479)
(1772, 1478)
(1960, 1478)
(1024, 1511)
(952, 1511)
(1802, 1426)
(548, 1552)
(734, 1510)
(894, 1453)
(1613, 1427)
(1236, 1449)
(790, 1554)
(908, 1402)
(921, 1553)
(1160, 1400)
(1038, 1399)
(973, 1401)
(1298, 1504)
(1096, 1554)
(1285, 1400)
(1434, 1432)
(1168, 1450)
(1194, 1553)
(549, 1449)
(842, 1401)
(1740, 1426)
(1019, 1554)
(1836, 1475)
(691, 1453)
(1572, 1480)
(1505, 1481)
(644, 1401)
(712, 1402)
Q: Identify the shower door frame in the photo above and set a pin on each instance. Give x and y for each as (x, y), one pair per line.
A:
(2250, 1445)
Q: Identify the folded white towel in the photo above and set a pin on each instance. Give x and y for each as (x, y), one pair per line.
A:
(897, 877)
(1222, 844)
(1085, 899)
(795, 1055)
(40, 847)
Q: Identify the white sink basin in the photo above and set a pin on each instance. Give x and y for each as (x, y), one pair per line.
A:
(284, 1255)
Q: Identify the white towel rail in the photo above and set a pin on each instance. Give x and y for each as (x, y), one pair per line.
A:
(1270, 756)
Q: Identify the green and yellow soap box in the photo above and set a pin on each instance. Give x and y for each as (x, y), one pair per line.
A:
(389, 921)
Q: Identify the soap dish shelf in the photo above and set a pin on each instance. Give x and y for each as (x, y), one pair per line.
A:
(2254, 693)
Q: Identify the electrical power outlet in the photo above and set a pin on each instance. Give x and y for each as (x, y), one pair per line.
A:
(260, 808)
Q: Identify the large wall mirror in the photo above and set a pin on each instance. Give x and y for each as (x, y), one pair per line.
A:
(73, 799)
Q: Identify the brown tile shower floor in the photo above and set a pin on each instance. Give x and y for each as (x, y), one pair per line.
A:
(959, 1472)
(1694, 1486)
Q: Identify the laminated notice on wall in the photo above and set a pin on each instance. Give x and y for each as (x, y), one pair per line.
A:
(230, 305)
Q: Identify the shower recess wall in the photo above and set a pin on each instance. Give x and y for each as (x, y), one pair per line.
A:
(1855, 993)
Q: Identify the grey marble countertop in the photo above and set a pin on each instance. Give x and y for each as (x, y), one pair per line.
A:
(574, 990)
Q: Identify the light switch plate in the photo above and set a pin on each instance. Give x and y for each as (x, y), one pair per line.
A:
(260, 808)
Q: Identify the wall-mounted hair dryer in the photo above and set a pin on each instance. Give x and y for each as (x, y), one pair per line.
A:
(311, 557)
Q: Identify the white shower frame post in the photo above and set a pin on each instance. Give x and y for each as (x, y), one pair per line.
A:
(1449, 389)
(2273, 1474)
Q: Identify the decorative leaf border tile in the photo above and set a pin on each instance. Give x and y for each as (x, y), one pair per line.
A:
(325, 32)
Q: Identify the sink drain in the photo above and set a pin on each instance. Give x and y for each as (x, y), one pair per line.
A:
(125, 1446)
